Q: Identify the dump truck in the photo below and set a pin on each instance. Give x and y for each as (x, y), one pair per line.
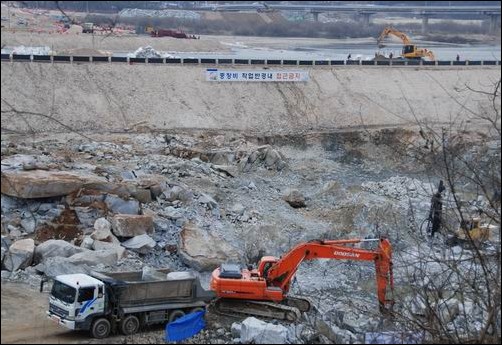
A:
(170, 33)
(103, 303)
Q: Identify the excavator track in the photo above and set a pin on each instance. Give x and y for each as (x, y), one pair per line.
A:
(301, 303)
(235, 307)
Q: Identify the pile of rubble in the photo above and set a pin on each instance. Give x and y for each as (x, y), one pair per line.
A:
(399, 188)
(146, 52)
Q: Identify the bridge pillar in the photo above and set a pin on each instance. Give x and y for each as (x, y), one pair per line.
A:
(494, 23)
(425, 23)
(316, 16)
(364, 18)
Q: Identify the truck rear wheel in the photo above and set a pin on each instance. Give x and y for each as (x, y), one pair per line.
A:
(176, 314)
(129, 325)
(101, 328)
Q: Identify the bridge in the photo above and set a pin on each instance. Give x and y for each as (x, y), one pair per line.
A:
(365, 11)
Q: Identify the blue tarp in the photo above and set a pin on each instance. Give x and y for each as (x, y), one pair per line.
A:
(185, 327)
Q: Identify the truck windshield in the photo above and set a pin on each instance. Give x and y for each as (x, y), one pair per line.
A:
(63, 292)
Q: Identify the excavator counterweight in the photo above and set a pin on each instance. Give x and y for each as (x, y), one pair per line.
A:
(268, 285)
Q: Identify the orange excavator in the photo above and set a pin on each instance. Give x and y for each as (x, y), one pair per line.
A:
(410, 51)
(264, 291)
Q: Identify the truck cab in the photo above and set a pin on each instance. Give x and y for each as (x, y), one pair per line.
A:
(75, 300)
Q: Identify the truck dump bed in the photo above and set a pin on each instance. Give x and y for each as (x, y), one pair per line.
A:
(134, 288)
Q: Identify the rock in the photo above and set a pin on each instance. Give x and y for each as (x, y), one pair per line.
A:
(142, 195)
(251, 185)
(125, 225)
(236, 330)
(457, 250)
(9, 203)
(219, 140)
(203, 250)
(87, 242)
(119, 205)
(142, 244)
(101, 245)
(181, 221)
(295, 333)
(208, 201)
(102, 229)
(52, 248)
(93, 258)
(155, 191)
(418, 306)
(172, 213)
(271, 158)
(449, 310)
(14, 232)
(294, 198)
(29, 224)
(6, 274)
(228, 170)
(237, 209)
(20, 255)
(176, 193)
(45, 184)
(88, 215)
(4, 251)
(260, 332)
(55, 266)
(149, 273)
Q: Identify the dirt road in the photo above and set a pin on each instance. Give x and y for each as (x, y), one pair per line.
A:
(24, 320)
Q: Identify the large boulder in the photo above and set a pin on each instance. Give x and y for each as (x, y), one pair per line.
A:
(203, 250)
(259, 332)
(273, 160)
(142, 244)
(45, 184)
(20, 255)
(119, 205)
(93, 258)
(102, 245)
(57, 265)
(125, 225)
(53, 248)
(294, 198)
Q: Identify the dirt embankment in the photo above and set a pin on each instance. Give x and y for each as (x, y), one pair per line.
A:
(127, 43)
(104, 97)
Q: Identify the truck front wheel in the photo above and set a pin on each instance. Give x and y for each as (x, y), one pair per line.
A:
(129, 325)
(101, 328)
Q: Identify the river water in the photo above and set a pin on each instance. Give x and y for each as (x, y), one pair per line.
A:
(358, 51)
(306, 51)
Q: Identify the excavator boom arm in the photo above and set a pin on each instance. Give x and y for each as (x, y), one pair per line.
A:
(391, 31)
(283, 271)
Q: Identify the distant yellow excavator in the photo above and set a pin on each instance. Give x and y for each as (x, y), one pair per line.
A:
(410, 51)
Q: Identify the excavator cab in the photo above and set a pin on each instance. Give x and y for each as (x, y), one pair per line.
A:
(408, 49)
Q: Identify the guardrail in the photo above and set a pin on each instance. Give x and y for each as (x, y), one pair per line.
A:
(226, 61)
